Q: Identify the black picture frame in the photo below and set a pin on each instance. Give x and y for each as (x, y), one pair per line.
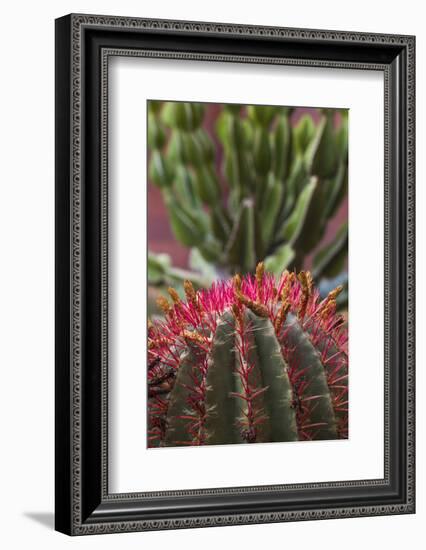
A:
(83, 45)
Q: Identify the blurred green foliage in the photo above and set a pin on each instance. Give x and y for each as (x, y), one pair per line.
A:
(283, 183)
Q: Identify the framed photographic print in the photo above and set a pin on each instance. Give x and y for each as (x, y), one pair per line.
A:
(234, 274)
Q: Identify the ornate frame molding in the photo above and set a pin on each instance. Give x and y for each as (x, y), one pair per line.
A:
(72, 45)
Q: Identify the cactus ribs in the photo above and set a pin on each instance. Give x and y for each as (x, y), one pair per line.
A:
(252, 359)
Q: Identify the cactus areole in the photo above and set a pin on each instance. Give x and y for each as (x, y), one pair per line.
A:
(250, 360)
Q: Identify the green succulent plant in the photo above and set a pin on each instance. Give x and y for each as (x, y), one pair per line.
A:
(278, 187)
(252, 359)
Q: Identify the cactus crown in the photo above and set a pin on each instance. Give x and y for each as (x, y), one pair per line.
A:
(257, 358)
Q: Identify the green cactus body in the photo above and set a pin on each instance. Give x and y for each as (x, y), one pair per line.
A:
(261, 359)
(293, 176)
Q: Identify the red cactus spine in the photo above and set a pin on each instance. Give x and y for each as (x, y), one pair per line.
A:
(249, 360)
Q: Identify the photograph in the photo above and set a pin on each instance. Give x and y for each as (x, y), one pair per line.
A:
(211, 248)
(247, 239)
(235, 273)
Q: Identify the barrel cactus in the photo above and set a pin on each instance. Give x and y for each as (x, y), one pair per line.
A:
(278, 187)
(258, 358)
